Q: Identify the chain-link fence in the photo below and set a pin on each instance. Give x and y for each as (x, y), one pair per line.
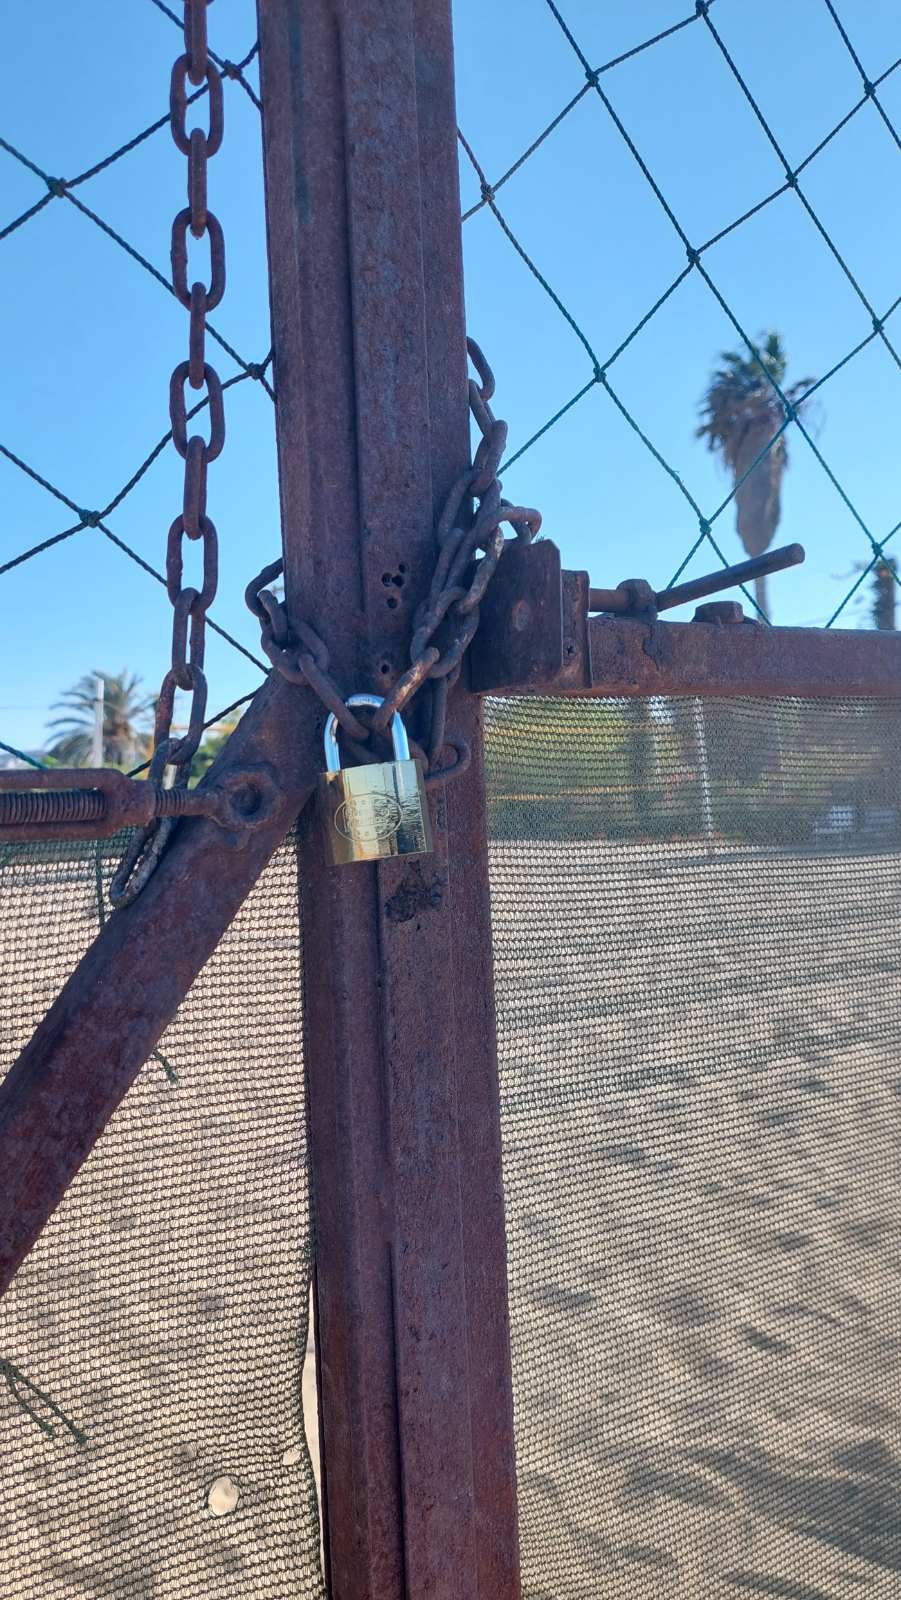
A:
(103, 317)
(583, 227)
(695, 901)
(624, 177)
(152, 1352)
(697, 1055)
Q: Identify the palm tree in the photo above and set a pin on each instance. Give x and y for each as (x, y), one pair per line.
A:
(216, 737)
(741, 413)
(125, 715)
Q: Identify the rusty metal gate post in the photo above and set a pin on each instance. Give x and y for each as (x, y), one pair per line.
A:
(367, 303)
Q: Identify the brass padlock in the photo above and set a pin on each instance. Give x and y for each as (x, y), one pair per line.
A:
(372, 812)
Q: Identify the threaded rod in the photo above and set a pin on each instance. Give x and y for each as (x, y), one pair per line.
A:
(33, 808)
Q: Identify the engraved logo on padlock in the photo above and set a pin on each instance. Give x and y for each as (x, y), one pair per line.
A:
(376, 811)
(369, 817)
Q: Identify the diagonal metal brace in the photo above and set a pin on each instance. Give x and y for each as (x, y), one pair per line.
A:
(87, 1051)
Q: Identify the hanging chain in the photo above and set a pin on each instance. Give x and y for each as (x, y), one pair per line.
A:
(189, 605)
(444, 623)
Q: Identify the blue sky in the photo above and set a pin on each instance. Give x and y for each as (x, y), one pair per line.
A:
(89, 339)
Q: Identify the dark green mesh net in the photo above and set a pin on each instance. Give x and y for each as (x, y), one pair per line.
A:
(699, 1001)
(152, 1441)
(698, 966)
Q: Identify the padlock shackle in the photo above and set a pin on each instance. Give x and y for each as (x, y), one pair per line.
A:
(399, 738)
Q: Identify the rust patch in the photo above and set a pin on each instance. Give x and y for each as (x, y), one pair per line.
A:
(654, 645)
(414, 895)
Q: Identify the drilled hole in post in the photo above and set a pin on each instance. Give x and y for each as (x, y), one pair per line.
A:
(392, 602)
(246, 800)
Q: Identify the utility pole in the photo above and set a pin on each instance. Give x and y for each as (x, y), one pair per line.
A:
(700, 731)
(97, 735)
(885, 594)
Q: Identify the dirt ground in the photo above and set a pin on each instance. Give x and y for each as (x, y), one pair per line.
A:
(164, 1309)
(701, 1088)
(702, 1130)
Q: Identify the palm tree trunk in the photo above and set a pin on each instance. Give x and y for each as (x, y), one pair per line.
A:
(760, 594)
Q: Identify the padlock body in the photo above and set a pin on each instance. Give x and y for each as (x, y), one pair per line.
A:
(374, 812)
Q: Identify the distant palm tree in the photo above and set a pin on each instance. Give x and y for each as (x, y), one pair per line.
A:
(741, 412)
(215, 738)
(125, 716)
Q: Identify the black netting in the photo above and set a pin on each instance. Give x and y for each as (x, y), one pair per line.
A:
(699, 1002)
(152, 1441)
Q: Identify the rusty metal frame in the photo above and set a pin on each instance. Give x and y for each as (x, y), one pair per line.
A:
(368, 332)
(87, 1051)
(416, 1400)
(537, 637)
(411, 1302)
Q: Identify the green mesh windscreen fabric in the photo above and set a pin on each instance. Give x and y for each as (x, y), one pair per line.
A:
(698, 967)
(151, 1438)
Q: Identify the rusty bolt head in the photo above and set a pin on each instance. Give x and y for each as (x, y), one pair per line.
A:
(720, 611)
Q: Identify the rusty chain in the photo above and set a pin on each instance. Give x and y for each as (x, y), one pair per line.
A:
(445, 622)
(189, 605)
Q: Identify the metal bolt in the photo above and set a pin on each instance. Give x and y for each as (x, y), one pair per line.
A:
(724, 612)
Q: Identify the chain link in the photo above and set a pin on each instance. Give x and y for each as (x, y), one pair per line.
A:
(445, 622)
(189, 605)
